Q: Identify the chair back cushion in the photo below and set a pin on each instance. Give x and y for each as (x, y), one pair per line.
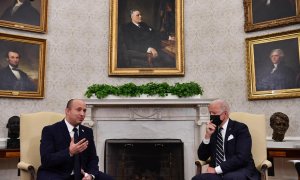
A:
(257, 127)
(31, 126)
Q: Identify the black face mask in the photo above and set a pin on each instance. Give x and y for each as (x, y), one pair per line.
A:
(216, 119)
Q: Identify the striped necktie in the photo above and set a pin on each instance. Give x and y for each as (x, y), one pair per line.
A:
(220, 149)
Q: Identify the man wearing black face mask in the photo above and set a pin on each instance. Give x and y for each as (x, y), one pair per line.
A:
(228, 144)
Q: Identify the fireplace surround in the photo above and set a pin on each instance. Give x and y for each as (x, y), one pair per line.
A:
(151, 120)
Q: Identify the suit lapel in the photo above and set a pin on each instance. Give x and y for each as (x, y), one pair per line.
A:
(82, 133)
(65, 131)
(10, 74)
(228, 132)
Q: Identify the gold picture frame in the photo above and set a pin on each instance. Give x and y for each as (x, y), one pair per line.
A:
(273, 66)
(28, 16)
(22, 66)
(165, 19)
(268, 14)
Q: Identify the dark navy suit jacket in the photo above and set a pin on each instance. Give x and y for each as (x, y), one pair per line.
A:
(56, 162)
(8, 81)
(237, 150)
(133, 45)
(140, 39)
(282, 78)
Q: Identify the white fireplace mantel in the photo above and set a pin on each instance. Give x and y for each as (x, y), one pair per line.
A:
(181, 118)
(162, 101)
(199, 104)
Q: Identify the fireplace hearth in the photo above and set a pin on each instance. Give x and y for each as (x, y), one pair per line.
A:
(144, 159)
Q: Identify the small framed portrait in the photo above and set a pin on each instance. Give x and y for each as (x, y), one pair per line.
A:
(22, 66)
(273, 66)
(28, 15)
(265, 14)
(146, 38)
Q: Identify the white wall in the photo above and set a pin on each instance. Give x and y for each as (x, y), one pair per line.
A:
(77, 56)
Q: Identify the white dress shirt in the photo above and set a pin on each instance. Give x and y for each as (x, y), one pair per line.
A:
(223, 132)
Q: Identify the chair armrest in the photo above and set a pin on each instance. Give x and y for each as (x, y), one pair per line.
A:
(199, 164)
(28, 168)
(264, 167)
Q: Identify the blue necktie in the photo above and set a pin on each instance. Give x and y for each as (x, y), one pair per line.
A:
(77, 168)
(220, 149)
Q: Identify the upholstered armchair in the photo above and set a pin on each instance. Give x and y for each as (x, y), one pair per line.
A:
(31, 126)
(257, 127)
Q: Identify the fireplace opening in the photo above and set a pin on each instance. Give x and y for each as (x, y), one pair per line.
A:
(144, 159)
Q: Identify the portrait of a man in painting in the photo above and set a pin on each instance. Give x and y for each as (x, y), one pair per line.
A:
(267, 10)
(18, 66)
(13, 78)
(277, 65)
(145, 28)
(21, 11)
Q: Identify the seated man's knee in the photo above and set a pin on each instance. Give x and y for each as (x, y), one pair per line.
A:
(207, 176)
(236, 175)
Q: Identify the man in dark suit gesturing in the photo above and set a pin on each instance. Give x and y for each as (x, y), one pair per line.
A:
(64, 155)
(228, 144)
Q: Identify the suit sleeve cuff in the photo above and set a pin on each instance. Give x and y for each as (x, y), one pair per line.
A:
(218, 170)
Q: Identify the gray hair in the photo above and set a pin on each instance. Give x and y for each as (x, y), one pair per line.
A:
(279, 51)
(132, 11)
(224, 105)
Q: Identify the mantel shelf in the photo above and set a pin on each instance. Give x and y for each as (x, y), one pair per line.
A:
(147, 102)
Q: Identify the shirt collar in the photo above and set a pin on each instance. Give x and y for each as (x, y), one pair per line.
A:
(11, 68)
(225, 125)
(19, 3)
(136, 24)
(70, 127)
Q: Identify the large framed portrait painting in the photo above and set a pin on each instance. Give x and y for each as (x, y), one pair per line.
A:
(28, 15)
(265, 14)
(273, 66)
(146, 38)
(22, 66)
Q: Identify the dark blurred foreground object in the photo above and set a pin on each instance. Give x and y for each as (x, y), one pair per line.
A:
(13, 125)
(297, 166)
